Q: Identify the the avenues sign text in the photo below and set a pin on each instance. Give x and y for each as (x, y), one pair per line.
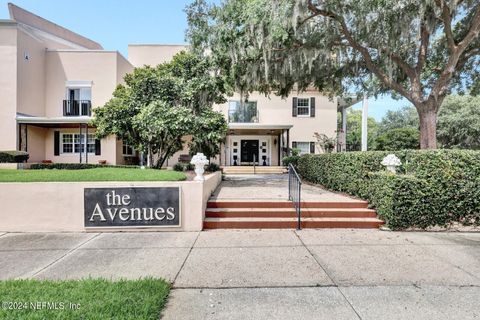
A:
(141, 207)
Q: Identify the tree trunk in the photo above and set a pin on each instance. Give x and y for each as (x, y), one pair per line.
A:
(164, 157)
(428, 125)
(150, 157)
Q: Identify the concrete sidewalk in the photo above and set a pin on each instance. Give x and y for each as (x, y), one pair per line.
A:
(272, 274)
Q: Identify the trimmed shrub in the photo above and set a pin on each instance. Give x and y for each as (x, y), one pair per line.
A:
(73, 166)
(212, 167)
(404, 201)
(189, 167)
(398, 139)
(344, 171)
(432, 188)
(179, 167)
(291, 159)
(13, 156)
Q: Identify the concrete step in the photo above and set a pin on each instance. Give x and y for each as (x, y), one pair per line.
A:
(252, 170)
(289, 213)
(286, 204)
(290, 223)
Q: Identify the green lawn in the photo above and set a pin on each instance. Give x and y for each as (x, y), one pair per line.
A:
(96, 174)
(94, 299)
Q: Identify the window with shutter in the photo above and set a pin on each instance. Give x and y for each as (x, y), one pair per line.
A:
(128, 150)
(98, 147)
(312, 107)
(294, 107)
(56, 143)
(303, 146)
(75, 143)
(303, 107)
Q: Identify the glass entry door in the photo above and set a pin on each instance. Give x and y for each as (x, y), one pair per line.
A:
(249, 151)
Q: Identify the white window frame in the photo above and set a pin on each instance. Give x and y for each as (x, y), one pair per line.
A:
(309, 108)
(73, 134)
(303, 142)
(84, 87)
(126, 146)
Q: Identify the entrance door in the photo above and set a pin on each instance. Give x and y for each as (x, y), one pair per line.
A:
(249, 151)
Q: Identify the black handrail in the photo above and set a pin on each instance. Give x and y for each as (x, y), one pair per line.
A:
(77, 108)
(294, 191)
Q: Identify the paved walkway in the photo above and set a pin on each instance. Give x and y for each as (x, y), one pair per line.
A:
(272, 274)
(268, 187)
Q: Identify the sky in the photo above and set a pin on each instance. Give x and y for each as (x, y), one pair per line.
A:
(116, 23)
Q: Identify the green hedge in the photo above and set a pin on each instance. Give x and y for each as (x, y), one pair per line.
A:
(13, 156)
(181, 167)
(73, 166)
(432, 188)
(290, 159)
(404, 201)
(211, 167)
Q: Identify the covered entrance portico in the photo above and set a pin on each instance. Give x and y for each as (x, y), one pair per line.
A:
(249, 144)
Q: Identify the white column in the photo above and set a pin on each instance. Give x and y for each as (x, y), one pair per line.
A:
(364, 123)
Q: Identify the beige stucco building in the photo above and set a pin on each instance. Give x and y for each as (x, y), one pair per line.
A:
(51, 78)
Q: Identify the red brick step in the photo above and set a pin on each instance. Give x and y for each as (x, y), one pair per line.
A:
(289, 212)
(241, 214)
(286, 204)
(290, 223)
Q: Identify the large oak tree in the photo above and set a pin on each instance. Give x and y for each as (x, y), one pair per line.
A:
(418, 49)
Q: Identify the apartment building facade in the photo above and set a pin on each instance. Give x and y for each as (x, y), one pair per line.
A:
(51, 79)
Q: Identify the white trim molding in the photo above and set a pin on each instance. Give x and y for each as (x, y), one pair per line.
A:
(78, 84)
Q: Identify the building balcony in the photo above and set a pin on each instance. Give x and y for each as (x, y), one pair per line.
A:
(77, 108)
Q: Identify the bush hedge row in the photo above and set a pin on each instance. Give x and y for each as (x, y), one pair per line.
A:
(290, 159)
(13, 156)
(73, 166)
(432, 187)
(211, 167)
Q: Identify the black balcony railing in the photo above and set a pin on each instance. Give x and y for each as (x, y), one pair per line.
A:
(76, 108)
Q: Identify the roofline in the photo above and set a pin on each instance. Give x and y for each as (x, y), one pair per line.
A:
(82, 50)
(46, 120)
(8, 22)
(347, 101)
(258, 126)
(28, 18)
(159, 44)
(89, 51)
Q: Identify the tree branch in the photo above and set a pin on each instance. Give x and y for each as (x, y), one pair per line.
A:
(441, 86)
(422, 52)
(473, 32)
(363, 51)
(466, 56)
(447, 22)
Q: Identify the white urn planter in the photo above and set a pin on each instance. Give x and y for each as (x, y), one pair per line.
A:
(391, 161)
(199, 161)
